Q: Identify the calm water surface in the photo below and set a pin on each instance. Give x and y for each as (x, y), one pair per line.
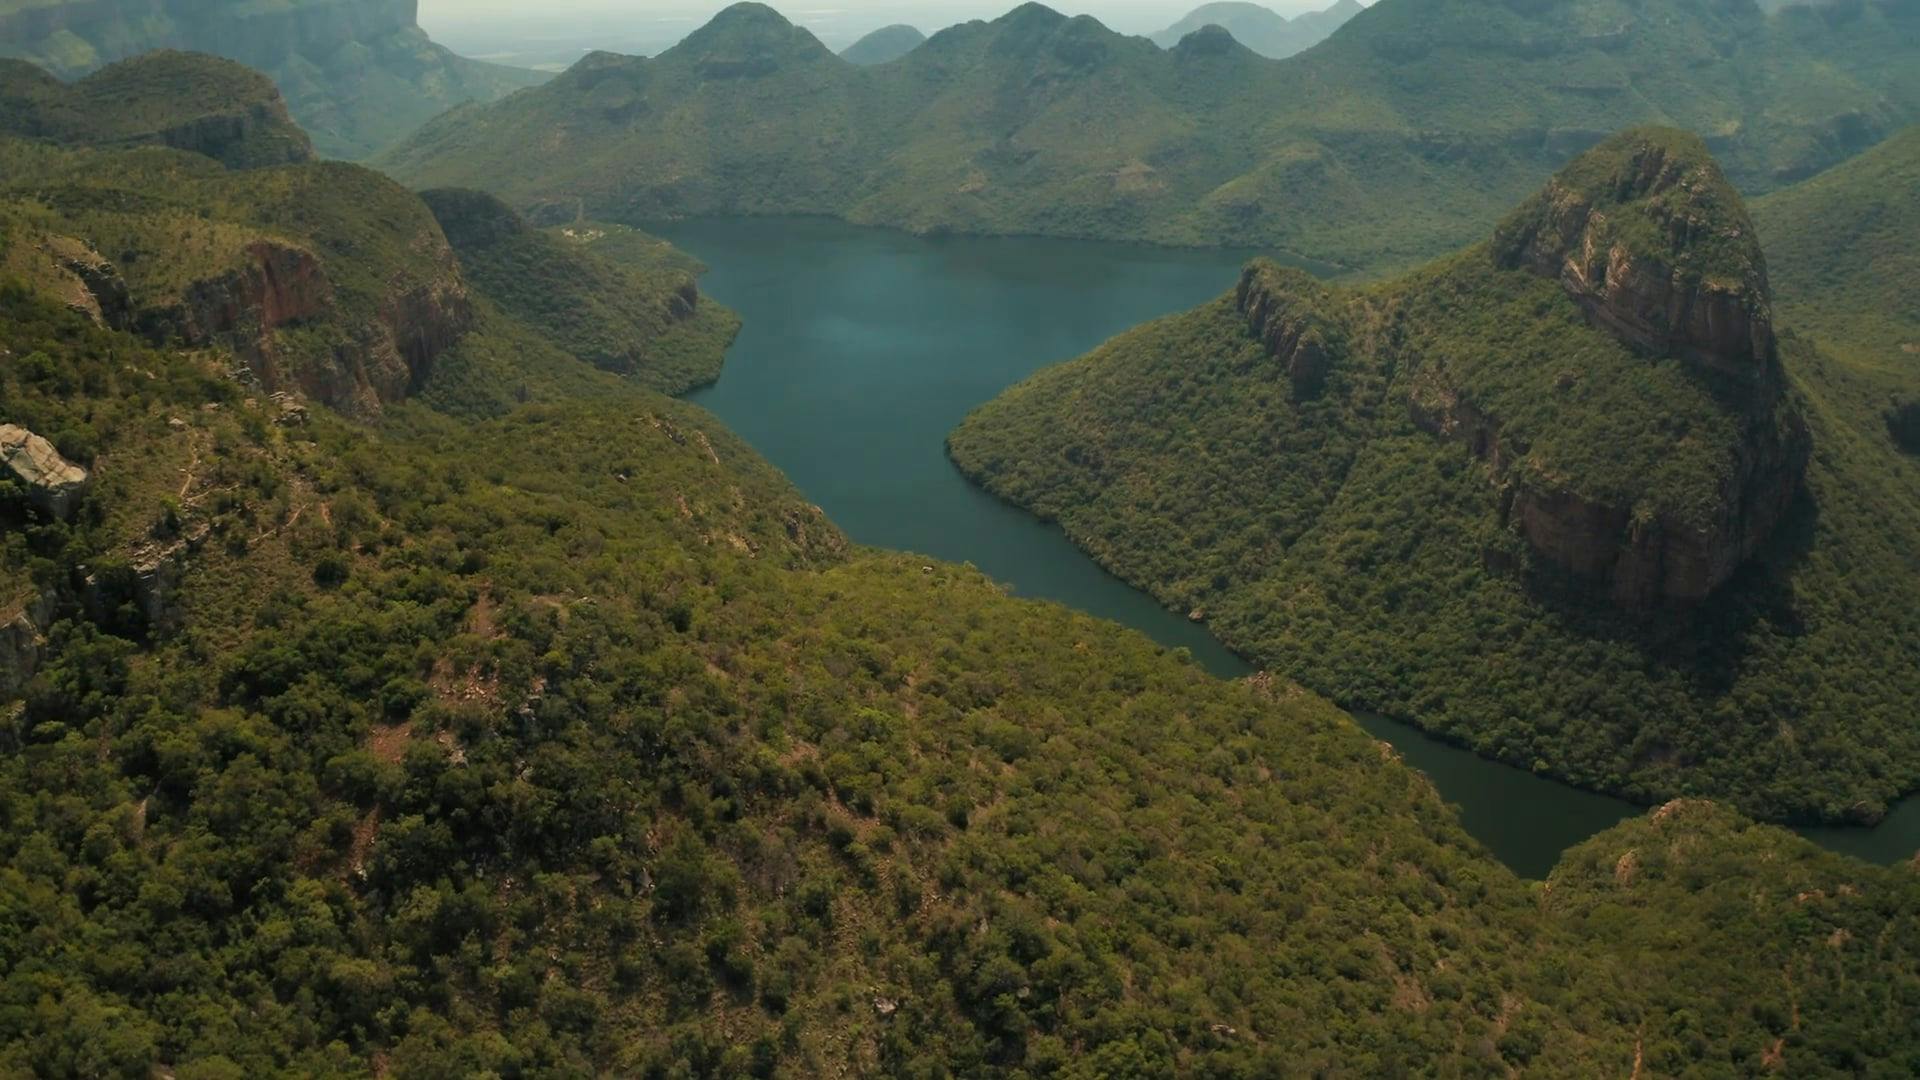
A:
(862, 348)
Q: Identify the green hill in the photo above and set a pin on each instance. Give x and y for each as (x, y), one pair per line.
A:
(644, 321)
(1848, 269)
(1406, 134)
(183, 100)
(884, 45)
(1490, 497)
(535, 726)
(357, 74)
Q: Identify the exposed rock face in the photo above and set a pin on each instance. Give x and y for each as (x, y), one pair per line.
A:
(52, 482)
(1647, 560)
(1654, 246)
(1644, 560)
(684, 302)
(1291, 315)
(1646, 236)
(280, 286)
(139, 596)
(257, 135)
(98, 291)
(22, 645)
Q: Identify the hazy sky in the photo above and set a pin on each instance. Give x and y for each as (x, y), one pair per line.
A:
(665, 20)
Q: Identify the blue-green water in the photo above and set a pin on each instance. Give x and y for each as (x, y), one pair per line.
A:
(862, 348)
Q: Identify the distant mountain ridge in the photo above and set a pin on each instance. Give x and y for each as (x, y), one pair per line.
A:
(1407, 133)
(1262, 29)
(357, 74)
(883, 45)
(182, 100)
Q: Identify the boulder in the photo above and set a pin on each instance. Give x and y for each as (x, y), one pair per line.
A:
(52, 482)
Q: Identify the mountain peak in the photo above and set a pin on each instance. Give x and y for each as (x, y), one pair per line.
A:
(1030, 16)
(748, 40)
(1210, 40)
(1647, 234)
(883, 45)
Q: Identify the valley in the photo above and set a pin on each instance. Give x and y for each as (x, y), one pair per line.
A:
(583, 601)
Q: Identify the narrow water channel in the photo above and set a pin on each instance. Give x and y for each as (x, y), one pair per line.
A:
(862, 348)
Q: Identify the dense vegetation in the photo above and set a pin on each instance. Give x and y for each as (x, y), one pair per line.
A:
(608, 301)
(358, 74)
(1405, 134)
(218, 109)
(540, 729)
(1333, 540)
(572, 741)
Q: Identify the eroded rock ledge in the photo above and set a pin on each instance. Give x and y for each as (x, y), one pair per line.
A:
(1651, 242)
(280, 286)
(1293, 316)
(1647, 236)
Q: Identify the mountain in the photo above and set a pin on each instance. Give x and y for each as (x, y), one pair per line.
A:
(174, 198)
(1262, 29)
(1848, 270)
(1855, 275)
(1544, 497)
(533, 724)
(189, 102)
(357, 74)
(1406, 134)
(885, 44)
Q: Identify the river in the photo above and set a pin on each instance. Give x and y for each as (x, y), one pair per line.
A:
(862, 348)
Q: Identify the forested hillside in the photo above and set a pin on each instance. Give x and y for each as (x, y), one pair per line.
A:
(529, 724)
(358, 74)
(1406, 134)
(1503, 499)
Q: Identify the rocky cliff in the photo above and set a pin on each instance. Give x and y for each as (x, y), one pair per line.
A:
(1645, 235)
(1653, 243)
(1293, 316)
(357, 363)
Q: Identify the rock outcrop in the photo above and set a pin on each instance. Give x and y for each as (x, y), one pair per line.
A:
(90, 283)
(52, 483)
(368, 362)
(23, 644)
(1293, 317)
(1647, 236)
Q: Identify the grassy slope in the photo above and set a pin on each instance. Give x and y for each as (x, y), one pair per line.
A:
(1445, 111)
(1338, 544)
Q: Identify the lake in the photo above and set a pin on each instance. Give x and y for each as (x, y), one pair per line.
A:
(862, 348)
